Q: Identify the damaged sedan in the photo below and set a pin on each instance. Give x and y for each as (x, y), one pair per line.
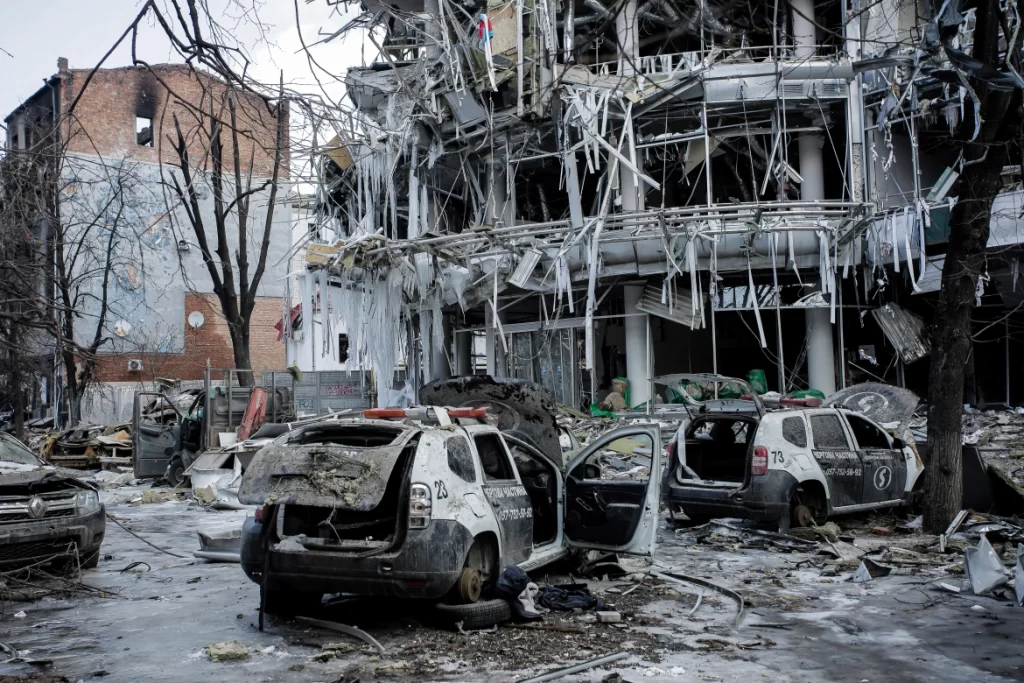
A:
(46, 515)
(434, 502)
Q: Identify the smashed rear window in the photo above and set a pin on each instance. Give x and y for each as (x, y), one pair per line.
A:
(460, 459)
(794, 431)
(357, 436)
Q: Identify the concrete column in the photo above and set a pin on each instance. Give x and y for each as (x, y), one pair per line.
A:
(432, 10)
(497, 360)
(626, 33)
(636, 347)
(464, 353)
(440, 367)
(821, 364)
(804, 31)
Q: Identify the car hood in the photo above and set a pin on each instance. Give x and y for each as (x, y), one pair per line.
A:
(29, 478)
(522, 407)
(883, 403)
(321, 474)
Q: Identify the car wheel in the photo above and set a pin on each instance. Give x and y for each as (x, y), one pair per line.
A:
(802, 516)
(469, 586)
(287, 603)
(176, 471)
(90, 561)
(483, 614)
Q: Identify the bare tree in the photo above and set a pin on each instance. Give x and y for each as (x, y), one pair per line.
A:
(990, 136)
(233, 184)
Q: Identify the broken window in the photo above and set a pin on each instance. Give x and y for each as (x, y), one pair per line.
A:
(143, 131)
(794, 431)
(867, 434)
(493, 457)
(342, 348)
(460, 459)
(828, 432)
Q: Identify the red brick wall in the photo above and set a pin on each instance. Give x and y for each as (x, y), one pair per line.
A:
(103, 121)
(211, 341)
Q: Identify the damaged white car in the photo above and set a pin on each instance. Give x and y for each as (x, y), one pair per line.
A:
(435, 505)
(798, 465)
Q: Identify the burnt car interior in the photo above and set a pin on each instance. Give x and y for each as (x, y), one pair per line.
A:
(605, 493)
(348, 526)
(717, 448)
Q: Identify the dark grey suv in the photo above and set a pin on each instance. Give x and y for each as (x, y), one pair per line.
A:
(46, 514)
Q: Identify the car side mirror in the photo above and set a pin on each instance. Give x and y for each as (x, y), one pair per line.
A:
(898, 444)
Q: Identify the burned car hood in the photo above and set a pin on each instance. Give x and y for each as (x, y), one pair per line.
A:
(10, 477)
(882, 403)
(522, 407)
(321, 474)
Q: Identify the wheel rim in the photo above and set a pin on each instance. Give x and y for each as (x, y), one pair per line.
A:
(470, 585)
(803, 515)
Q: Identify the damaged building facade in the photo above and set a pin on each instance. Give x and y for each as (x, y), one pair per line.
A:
(578, 190)
(134, 268)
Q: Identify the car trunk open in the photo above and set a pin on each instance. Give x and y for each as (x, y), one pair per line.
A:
(335, 486)
(717, 452)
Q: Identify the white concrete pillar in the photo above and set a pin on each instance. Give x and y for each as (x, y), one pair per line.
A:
(432, 10)
(497, 360)
(636, 347)
(440, 366)
(804, 34)
(627, 35)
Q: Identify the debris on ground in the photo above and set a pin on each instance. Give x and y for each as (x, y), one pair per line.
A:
(89, 447)
(227, 652)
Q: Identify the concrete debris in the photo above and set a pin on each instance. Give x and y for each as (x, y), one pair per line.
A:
(229, 651)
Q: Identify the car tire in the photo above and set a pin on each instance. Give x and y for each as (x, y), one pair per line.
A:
(175, 471)
(469, 587)
(90, 561)
(287, 603)
(477, 615)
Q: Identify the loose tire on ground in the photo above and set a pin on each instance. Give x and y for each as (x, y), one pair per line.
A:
(482, 614)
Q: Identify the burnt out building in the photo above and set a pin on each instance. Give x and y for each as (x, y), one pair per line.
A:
(106, 138)
(574, 190)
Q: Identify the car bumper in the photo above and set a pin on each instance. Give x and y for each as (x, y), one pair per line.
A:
(765, 498)
(24, 543)
(426, 564)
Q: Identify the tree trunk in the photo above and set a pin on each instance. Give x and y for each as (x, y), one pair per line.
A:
(240, 348)
(980, 182)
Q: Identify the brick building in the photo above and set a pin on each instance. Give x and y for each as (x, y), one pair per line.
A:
(111, 137)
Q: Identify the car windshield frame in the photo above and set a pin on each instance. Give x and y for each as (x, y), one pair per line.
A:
(10, 446)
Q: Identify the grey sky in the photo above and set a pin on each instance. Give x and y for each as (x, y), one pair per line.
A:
(36, 34)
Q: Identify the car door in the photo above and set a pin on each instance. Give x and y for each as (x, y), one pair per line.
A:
(839, 461)
(154, 440)
(611, 492)
(506, 495)
(885, 468)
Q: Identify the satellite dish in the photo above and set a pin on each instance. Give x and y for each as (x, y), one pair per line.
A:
(196, 320)
(122, 328)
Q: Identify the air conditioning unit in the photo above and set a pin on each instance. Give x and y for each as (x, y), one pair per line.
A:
(135, 365)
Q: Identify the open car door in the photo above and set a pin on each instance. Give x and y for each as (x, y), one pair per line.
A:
(154, 435)
(612, 490)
